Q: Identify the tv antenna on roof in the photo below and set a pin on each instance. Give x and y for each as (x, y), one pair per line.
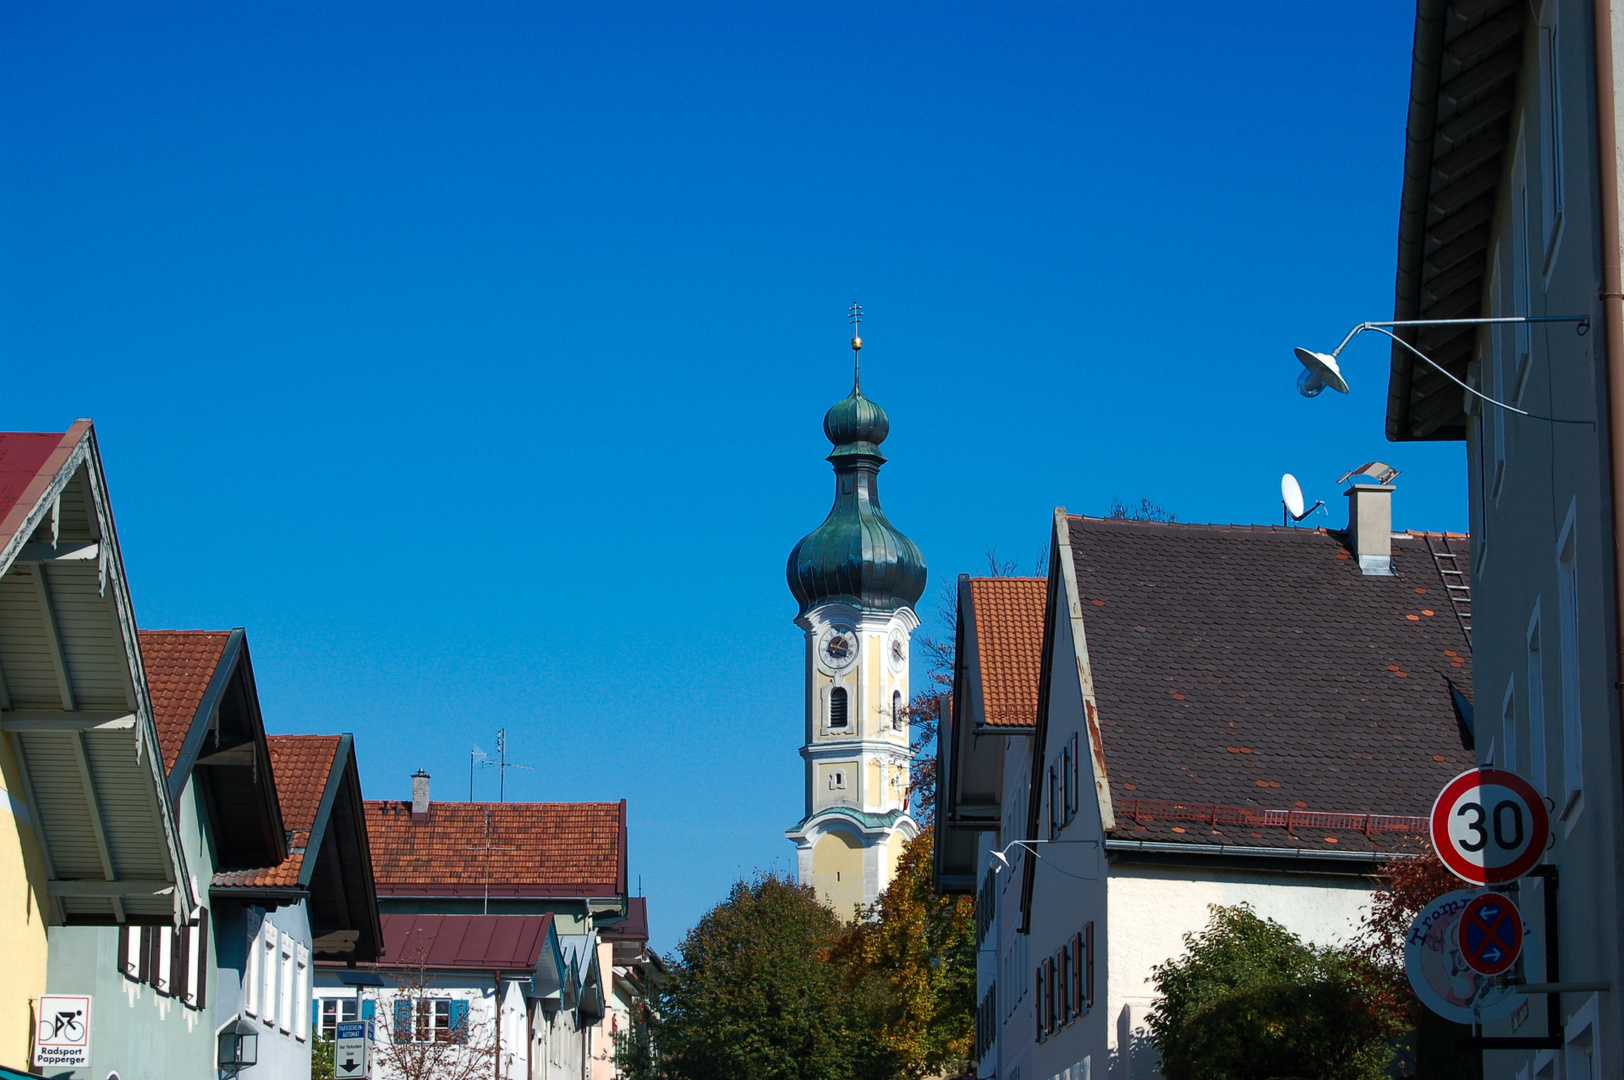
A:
(1291, 496)
(503, 765)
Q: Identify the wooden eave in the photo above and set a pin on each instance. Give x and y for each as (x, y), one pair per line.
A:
(1467, 59)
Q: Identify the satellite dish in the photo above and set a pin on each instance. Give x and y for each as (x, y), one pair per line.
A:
(1319, 371)
(1291, 495)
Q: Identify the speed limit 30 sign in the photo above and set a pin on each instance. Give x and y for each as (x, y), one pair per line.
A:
(1489, 826)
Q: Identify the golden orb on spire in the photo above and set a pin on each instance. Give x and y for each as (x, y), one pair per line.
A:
(856, 344)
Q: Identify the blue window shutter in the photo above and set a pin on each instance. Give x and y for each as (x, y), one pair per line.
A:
(459, 1020)
(368, 1009)
(315, 1015)
(403, 1020)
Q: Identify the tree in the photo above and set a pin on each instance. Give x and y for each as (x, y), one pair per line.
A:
(1250, 1000)
(430, 1035)
(1405, 885)
(321, 1058)
(915, 950)
(753, 991)
(1145, 511)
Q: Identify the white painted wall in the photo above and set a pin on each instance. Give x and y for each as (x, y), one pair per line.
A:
(1151, 909)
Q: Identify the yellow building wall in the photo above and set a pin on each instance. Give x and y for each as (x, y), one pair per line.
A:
(837, 873)
(22, 924)
(893, 854)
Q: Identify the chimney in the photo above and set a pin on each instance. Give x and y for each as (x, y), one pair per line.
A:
(420, 796)
(1370, 527)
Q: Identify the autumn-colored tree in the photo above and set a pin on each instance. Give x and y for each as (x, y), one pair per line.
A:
(914, 952)
(1405, 885)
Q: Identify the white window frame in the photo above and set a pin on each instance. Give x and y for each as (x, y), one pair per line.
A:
(1538, 773)
(1508, 727)
(251, 976)
(1584, 1021)
(301, 1003)
(1550, 135)
(284, 1002)
(1567, 591)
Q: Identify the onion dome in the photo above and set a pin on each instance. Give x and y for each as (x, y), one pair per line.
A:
(856, 556)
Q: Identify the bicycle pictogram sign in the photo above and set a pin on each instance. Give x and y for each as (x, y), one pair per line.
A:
(1491, 934)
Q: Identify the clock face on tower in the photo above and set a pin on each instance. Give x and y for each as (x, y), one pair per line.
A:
(839, 647)
(897, 648)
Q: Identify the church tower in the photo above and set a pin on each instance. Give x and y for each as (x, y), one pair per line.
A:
(857, 579)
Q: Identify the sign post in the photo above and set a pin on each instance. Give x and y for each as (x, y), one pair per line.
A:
(1489, 826)
(62, 1031)
(352, 1048)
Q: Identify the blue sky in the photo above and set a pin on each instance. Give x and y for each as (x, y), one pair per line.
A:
(473, 357)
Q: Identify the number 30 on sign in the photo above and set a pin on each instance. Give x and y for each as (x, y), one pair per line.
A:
(1489, 826)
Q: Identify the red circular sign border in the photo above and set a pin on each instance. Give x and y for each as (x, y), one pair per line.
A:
(1482, 875)
(1516, 921)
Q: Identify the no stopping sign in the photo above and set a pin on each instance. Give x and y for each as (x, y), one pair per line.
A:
(1489, 826)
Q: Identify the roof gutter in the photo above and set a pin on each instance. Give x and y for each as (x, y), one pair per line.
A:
(1162, 847)
(1612, 306)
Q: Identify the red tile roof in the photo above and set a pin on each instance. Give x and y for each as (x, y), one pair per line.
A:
(29, 461)
(179, 665)
(301, 766)
(511, 849)
(1254, 667)
(464, 942)
(1008, 615)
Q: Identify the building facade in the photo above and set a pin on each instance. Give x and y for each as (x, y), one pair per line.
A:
(856, 579)
(1510, 209)
(1179, 716)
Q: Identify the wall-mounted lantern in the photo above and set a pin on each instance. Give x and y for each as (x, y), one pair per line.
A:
(239, 1047)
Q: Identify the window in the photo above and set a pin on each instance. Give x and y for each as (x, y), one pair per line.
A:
(837, 781)
(1088, 967)
(1049, 1010)
(301, 983)
(267, 967)
(1567, 589)
(1508, 727)
(1073, 792)
(1536, 706)
(284, 1008)
(1054, 802)
(1037, 1009)
(1062, 984)
(897, 714)
(837, 707)
(1550, 78)
(1079, 1000)
(251, 976)
(335, 1011)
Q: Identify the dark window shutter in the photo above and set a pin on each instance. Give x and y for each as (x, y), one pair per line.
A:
(1037, 1004)
(124, 952)
(180, 963)
(145, 973)
(1062, 976)
(1079, 1000)
(837, 707)
(202, 958)
(1088, 972)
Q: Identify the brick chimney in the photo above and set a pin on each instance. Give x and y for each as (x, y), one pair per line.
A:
(1370, 527)
(420, 796)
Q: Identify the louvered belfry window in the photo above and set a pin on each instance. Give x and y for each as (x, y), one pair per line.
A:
(837, 707)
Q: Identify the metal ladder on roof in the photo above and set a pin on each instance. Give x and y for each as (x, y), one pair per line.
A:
(1456, 579)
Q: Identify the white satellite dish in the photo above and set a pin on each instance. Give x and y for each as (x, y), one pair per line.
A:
(1291, 494)
(1319, 371)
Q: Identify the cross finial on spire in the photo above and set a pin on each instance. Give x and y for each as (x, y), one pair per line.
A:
(854, 315)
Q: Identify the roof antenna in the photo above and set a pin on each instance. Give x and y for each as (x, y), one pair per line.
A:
(1291, 496)
(854, 315)
(478, 757)
(503, 765)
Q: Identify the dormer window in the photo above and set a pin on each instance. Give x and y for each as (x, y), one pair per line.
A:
(837, 707)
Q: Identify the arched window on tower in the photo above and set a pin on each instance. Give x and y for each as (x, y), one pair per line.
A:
(897, 721)
(837, 707)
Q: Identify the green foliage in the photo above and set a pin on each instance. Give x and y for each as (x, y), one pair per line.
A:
(635, 1057)
(1250, 1000)
(753, 991)
(914, 952)
(321, 1058)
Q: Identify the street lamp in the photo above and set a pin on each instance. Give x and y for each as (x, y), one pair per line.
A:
(239, 1047)
(1001, 857)
(1321, 369)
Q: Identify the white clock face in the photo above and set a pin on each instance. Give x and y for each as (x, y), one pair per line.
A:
(897, 650)
(839, 647)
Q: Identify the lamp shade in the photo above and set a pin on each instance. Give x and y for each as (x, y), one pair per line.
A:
(1321, 370)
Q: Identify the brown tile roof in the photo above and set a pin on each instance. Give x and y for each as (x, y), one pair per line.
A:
(1253, 667)
(179, 665)
(531, 849)
(1008, 614)
(301, 766)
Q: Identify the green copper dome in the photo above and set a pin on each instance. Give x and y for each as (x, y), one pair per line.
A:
(856, 556)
